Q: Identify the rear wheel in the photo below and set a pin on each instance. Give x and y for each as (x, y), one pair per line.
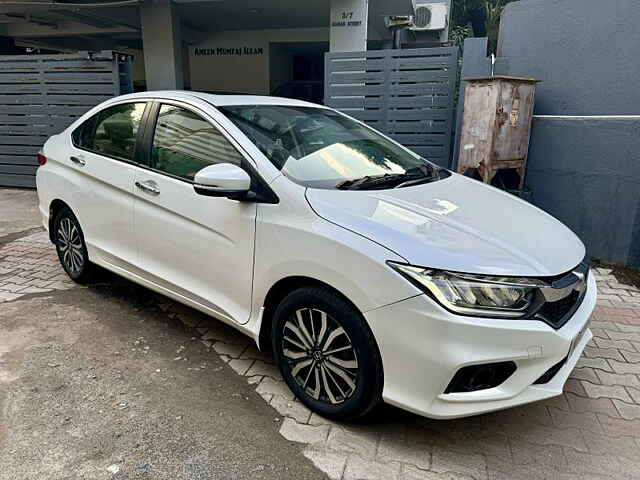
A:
(71, 247)
(327, 354)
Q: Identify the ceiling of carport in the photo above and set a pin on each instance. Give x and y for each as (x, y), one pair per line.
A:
(121, 25)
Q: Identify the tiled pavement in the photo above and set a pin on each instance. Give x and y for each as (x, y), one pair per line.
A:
(30, 265)
(592, 431)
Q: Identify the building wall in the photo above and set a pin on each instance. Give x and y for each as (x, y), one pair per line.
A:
(238, 61)
(585, 171)
(584, 157)
(584, 51)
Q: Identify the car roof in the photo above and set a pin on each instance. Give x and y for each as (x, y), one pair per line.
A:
(221, 100)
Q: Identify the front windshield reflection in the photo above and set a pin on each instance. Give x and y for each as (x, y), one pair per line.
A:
(319, 147)
(338, 161)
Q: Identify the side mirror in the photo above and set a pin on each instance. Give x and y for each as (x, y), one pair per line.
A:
(222, 180)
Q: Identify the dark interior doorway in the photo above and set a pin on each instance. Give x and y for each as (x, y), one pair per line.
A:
(308, 67)
(297, 70)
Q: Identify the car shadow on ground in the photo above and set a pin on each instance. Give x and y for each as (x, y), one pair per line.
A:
(567, 434)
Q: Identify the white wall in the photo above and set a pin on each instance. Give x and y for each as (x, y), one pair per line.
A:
(162, 46)
(349, 25)
(238, 61)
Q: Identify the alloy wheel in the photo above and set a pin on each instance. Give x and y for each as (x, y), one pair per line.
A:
(320, 355)
(70, 246)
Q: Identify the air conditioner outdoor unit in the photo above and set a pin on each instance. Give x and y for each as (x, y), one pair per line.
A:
(430, 16)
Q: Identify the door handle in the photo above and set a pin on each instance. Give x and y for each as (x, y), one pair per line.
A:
(78, 161)
(149, 187)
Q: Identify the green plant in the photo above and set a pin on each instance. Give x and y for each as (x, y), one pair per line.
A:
(482, 16)
(457, 34)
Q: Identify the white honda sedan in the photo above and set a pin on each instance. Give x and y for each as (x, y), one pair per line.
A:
(371, 273)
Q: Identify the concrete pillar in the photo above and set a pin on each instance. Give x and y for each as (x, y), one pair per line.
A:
(348, 29)
(162, 46)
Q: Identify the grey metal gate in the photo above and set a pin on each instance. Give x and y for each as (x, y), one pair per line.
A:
(40, 95)
(407, 94)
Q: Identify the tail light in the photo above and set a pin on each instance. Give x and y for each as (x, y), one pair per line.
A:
(41, 159)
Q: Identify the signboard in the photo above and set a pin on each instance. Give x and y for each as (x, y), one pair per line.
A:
(348, 29)
(237, 51)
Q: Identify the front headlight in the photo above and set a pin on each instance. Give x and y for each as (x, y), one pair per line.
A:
(478, 295)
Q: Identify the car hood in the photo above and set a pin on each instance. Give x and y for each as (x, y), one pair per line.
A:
(455, 224)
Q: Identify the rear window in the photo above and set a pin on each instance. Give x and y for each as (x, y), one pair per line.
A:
(111, 132)
(83, 135)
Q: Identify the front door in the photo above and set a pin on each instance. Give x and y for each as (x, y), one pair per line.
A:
(199, 247)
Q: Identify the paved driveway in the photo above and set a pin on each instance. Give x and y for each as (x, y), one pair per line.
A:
(99, 383)
(592, 431)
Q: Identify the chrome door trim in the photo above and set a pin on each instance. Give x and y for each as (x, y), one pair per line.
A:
(148, 186)
(80, 161)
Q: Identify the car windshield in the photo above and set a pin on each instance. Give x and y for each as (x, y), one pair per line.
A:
(321, 148)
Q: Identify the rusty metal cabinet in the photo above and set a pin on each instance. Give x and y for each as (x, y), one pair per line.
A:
(496, 126)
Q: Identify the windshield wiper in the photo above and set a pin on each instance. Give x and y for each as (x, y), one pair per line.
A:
(370, 181)
(412, 176)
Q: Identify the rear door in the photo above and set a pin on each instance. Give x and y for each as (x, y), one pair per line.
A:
(102, 159)
(196, 246)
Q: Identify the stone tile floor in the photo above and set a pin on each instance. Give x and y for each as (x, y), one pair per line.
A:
(30, 265)
(592, 431)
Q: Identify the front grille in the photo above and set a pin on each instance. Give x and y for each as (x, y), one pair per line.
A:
(549, 374)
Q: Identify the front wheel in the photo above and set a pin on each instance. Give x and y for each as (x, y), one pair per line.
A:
(327, 353)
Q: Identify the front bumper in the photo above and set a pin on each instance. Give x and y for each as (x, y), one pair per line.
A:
(423, 346)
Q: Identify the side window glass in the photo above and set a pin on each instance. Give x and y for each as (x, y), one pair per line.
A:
(184, 143)
(116, 129)
(83, 135)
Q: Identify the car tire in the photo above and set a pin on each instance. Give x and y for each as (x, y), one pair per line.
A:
(327, 353)
(71, 247)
